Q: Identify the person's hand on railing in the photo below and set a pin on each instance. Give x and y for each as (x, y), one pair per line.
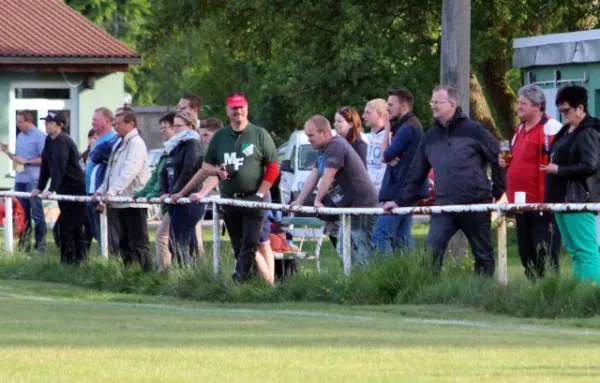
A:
(388, 206)
(318, 204)
(196, 196)
(46, 194)
(164, 197)
(35, 193)
(176, 197)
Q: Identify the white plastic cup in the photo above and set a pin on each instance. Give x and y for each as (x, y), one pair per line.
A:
(520, 197)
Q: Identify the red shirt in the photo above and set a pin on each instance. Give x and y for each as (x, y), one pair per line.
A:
(529, 151)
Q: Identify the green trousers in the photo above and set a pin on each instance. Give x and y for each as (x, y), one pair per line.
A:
(578, 231)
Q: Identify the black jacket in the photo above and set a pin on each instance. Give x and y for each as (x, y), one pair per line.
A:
(577, 155)
(181, 165)
(459, 154)
(60, 164)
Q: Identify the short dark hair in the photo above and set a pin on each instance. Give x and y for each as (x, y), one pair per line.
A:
(574, 95)
(211, 124)
(169, 118)
(92, 133)
(403, 95)
(195, 101)
(129, 117)
(27, 115)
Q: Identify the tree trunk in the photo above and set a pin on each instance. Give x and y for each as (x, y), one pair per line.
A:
(480, 110)
(502, 96)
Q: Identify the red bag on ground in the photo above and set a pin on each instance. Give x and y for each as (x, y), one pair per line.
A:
(279, 242)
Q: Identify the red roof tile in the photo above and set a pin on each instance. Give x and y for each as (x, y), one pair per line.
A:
(50, 29)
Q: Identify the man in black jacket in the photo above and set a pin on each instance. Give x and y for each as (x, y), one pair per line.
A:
(459, 151)
(60, 163)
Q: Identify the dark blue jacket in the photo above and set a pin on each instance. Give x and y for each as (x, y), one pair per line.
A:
(459, 153)
(406, 139)
(99, 156)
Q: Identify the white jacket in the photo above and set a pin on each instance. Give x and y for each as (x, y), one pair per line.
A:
(127, 170)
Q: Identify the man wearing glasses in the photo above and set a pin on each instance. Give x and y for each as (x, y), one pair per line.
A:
(244, 157)
(459, 151)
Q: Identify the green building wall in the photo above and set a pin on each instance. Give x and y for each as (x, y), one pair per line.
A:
(572, 71)
(108, 91)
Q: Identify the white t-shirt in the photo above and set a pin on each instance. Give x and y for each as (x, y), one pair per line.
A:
(375, 168)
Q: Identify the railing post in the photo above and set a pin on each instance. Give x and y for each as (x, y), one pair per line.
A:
(347, 242)
(104, 232)
(502, 258)
(8, 224)
(216, 238)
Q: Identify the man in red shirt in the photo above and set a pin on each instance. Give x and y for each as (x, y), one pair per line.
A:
(537, 234)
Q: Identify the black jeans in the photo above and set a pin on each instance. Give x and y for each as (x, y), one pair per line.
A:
(134, 244)
(73, 246)
(477, 228)
(539, 240)
(114, 230)
(244, 226)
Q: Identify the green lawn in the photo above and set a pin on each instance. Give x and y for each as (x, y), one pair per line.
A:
(56, 333)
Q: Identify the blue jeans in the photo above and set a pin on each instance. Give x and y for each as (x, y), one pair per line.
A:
(392, 233)
(184, 219)
(33, 209)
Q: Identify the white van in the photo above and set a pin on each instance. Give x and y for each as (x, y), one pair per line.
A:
(296, 160)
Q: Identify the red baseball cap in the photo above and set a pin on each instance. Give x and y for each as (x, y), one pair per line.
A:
(236, 100)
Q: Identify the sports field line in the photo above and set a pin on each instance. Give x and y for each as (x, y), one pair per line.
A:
(315, 314)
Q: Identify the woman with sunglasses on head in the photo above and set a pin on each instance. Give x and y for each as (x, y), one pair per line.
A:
(570, 177)
(184, 159)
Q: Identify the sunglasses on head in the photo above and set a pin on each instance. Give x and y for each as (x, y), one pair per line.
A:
(231, 94)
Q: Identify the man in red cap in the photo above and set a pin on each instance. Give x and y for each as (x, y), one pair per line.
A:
(244, 157)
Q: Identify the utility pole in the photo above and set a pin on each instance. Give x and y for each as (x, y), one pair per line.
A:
(455, 68)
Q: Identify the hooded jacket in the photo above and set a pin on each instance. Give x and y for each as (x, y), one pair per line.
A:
(577, 155)
(459, 153)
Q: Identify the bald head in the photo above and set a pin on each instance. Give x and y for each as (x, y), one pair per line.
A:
(318, 131)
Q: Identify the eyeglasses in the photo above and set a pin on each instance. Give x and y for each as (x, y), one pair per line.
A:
(436, 103)
(564, 111)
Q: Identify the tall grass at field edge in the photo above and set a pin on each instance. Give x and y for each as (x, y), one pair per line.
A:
(399, 279)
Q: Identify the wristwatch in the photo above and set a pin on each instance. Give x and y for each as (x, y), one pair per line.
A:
(260, 195)
(28, 162)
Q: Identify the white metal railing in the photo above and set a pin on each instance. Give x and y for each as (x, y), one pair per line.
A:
(346, 218)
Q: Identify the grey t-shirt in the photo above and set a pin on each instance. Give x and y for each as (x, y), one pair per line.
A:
(352, 186)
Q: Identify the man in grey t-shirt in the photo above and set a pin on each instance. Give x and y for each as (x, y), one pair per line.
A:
(344, 183)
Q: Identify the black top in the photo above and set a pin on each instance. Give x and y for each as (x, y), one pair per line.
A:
(577, 156)
(181, 165)
(361, 148)
(60, 163)
(459, 153)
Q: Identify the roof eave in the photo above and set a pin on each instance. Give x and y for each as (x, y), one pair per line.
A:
(71, 60)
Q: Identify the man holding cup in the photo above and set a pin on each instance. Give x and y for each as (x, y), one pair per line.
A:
(537, 234)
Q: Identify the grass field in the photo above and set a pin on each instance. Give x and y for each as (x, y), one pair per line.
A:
(55, 333)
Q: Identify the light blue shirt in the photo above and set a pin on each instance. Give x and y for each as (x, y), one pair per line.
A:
(89, 166)
(30, 145)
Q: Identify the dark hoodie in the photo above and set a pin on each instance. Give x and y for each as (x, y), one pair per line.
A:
(459, 153)
(577, 155)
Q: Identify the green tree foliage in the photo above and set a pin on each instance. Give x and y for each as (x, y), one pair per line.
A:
(296, 59)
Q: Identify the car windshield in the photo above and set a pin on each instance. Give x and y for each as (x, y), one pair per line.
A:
(307, 157)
